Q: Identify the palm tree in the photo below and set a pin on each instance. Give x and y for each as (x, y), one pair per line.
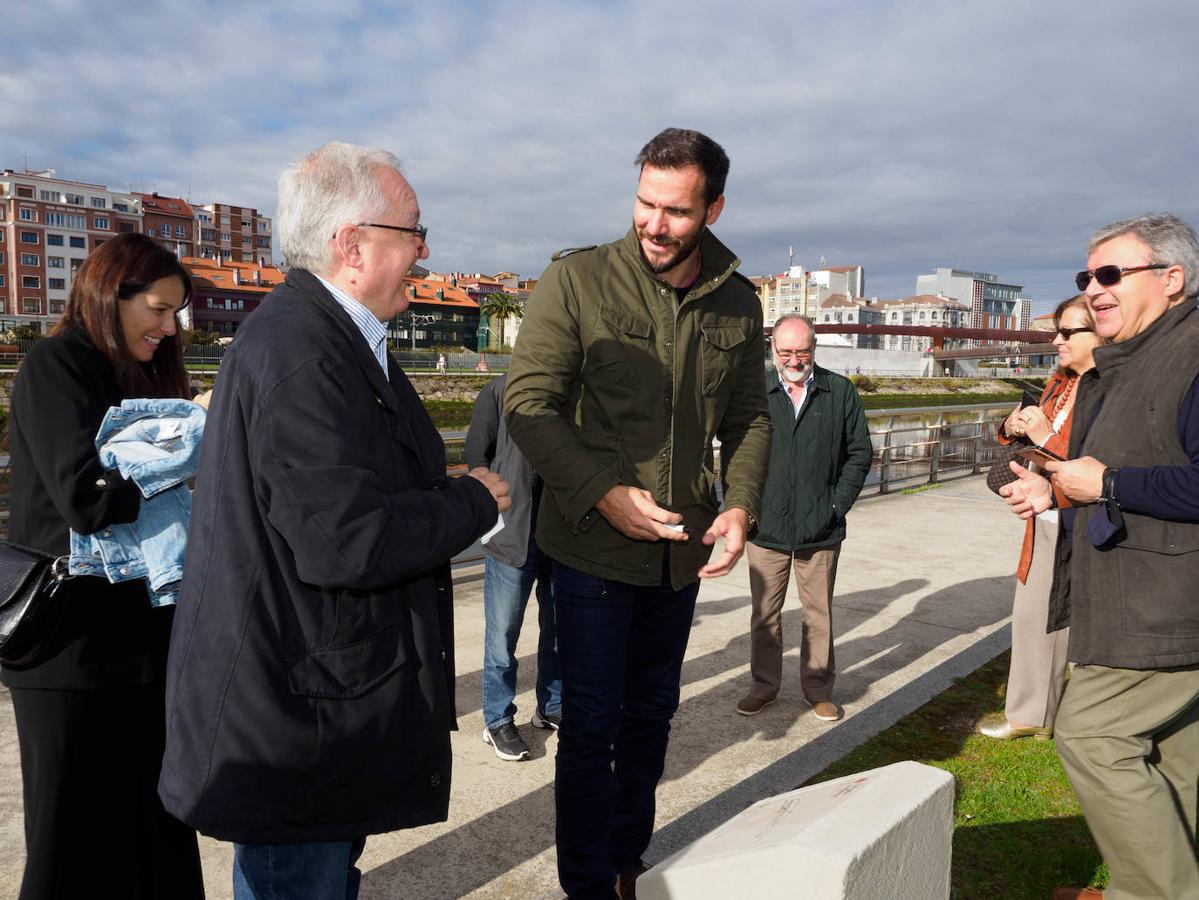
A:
(500, 307)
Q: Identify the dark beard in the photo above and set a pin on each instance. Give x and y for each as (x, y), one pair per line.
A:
(683, 252)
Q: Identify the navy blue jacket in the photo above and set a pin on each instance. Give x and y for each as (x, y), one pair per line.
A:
(310, 677)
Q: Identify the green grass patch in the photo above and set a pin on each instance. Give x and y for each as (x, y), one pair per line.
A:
(903, 401)
(920, 488)
(450, 415)
(1018, 830)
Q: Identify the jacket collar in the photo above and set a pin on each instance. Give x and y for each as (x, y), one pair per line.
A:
(310, 288)
(717, 262)
(1112, 357)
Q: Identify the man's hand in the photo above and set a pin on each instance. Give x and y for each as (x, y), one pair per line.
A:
(732, 525)
(633, 512)
(1029, 494)
(1079, 479)
(495, 484)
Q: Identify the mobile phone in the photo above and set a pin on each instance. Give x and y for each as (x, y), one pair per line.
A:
(1038, 455)
(1029, 399)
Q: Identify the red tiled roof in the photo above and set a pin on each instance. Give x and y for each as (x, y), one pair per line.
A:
(206, 273)
(167, 206)
(426, 292)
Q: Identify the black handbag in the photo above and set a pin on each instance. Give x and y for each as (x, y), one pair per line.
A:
(30, 605)
(1000, 472)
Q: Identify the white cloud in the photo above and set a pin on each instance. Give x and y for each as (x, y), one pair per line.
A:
(900, 136)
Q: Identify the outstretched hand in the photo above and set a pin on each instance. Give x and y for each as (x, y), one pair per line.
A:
(733, 526)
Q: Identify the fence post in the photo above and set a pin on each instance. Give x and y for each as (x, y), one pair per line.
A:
(934, 461)
(979, 427)
(884, 466)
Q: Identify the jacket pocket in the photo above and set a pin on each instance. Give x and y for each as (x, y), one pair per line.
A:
(618, 356)
(719, 354)
(348, 670)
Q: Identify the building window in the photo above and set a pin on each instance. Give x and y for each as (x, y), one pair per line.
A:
(125, 227)
(30, 259)
(57, 306)
(120, 207)
(50, 196)
(264, 242)
(29, 237)
(56, 219)
(55, 262)
(54, 240)
(24, 191)
(100, 222)
(99, 203)
(74, 199)
(1, 281)
(72, 220)
(56, 284)
(208, 234)
(151, 231)
(1, 259)
(79, 243)
(31, 306)
(245, 223)
(31, 281)
(225, 237)
(27, 214)
(180, 231)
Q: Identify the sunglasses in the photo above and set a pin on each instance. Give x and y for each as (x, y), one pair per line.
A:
(1109, 275)
(1068, 333)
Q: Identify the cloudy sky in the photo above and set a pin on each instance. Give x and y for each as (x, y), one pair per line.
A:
(991, 136)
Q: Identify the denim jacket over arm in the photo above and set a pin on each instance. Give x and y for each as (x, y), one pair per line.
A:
(155, 444)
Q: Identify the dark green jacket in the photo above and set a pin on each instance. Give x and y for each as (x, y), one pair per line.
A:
(615, 381)
(818, 463)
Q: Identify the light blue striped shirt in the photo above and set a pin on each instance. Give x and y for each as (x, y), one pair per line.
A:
(372, 329)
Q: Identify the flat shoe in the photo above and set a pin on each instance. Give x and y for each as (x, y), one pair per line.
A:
(1001, 729)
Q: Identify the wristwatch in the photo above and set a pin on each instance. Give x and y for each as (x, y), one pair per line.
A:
(751, 525)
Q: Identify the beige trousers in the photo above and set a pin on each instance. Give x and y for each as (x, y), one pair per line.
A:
(769, 573)
(1038, 670)
(1129, 742)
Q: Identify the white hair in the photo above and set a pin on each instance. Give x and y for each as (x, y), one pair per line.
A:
(320, 192)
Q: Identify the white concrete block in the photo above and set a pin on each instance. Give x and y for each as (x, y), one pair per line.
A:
(885, 833)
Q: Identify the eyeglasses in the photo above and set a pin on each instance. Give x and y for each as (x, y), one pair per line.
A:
(420, 230)
(1068, 333)
(794, 354)
(1109, 275)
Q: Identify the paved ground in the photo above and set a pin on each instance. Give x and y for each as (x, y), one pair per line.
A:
(923, 596)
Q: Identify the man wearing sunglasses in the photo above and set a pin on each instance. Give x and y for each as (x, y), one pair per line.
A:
(1127, 564)
(310, 685)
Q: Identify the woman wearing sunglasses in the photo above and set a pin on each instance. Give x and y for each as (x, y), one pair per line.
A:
(1037, 673)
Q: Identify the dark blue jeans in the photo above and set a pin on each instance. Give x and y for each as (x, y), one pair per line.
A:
(319, 871)
(621, 649)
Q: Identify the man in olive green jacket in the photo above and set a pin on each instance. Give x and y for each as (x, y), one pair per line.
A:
(633, 356)
(818, 462)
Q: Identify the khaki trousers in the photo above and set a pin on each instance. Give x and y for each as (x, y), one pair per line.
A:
(1037, 673)
(769, 573)
(1129, 741)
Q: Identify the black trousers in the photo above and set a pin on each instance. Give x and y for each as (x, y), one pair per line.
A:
(93, 822)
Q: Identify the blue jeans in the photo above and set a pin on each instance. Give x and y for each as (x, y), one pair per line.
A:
(319, 871)
(505, 595)
(621, 648)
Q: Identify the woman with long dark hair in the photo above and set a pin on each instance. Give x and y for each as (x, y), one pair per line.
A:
(1036, 676)
(89, 710)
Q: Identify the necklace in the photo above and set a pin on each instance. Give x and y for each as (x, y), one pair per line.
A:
(1064, 397)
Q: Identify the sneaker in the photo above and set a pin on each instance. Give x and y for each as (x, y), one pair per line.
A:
(544, 720)
(749, 705)
(506, 741)
(825, 709)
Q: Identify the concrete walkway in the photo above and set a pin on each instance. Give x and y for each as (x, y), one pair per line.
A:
(924, 593)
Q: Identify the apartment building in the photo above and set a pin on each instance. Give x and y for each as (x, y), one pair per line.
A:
(226, 292)
(803, 291)
(48, 225)
(932, 310)
(236, 233)
(840, 308)
(170, 220)
(993, 303)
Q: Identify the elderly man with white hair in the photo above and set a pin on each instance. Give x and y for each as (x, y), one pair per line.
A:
(310, 684)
